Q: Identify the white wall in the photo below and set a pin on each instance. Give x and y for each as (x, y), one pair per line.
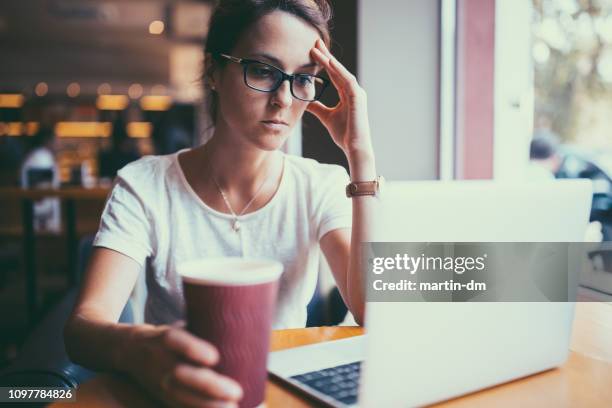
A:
(513, 88)
(398, 66)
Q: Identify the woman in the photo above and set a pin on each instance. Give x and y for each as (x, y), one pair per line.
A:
(236, 195)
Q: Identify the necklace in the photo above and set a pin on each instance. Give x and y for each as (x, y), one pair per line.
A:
(236, 221)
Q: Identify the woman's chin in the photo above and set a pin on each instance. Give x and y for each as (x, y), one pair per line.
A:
(271, 140)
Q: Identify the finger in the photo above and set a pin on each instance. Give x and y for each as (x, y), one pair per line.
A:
(345, 75)
(320, 44)
(179, 324)
(319, 110)
(191, 347)
(208, 382)
(345, 84)
(185, 397)
(325, 62)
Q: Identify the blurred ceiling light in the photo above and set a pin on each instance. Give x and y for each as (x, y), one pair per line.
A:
(135, 91)
(158, 90)
(73, 90)
(11, 100)
(18, 128)
(104, 89)
(83, 129)
(156, 27)
(41, 89)
(32, 128)
(11, 128)
(139, 129)
(112, 102)
(155, 103)
(14, 129)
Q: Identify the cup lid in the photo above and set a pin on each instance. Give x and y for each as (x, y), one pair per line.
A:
(232, 271)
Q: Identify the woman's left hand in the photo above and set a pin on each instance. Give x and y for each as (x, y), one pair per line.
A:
(347, 122)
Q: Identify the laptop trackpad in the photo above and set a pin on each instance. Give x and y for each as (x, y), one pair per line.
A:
(314, 357)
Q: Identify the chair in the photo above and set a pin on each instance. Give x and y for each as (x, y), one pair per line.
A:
(42, 360)
(327, 310)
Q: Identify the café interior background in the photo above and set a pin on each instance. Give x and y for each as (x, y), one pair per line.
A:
(89, 69)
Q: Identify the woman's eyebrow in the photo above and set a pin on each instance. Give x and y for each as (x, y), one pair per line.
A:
(278, 62)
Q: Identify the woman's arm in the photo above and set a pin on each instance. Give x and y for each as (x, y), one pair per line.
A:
(167, 360)
(93, 337)
(348, 125)
(343, 251)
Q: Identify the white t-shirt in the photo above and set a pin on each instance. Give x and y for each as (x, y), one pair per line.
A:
(154, 216)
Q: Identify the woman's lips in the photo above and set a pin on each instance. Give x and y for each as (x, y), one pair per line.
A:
(274, 125)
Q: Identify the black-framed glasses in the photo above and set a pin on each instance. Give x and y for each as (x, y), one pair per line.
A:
(268, 78)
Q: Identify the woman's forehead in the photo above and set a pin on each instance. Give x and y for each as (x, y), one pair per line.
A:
(281, 35)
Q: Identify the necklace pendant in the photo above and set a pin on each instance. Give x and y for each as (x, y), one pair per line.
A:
(236, 225)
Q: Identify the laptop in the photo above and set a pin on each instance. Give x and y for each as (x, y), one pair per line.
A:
(420, 353)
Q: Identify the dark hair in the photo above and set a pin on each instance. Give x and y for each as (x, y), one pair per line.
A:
(119, 133)
(41, 138)
(543, 146)
(232, 18)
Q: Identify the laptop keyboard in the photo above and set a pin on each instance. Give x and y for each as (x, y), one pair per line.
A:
(340, 382)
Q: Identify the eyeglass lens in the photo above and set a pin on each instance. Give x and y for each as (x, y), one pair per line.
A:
(266, 78)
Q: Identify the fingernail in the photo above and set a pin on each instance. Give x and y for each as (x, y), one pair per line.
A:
(233, 390)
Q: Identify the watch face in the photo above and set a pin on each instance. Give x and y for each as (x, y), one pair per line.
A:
(381, 185)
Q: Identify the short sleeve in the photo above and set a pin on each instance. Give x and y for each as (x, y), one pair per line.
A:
(336, 209)
(125, 226)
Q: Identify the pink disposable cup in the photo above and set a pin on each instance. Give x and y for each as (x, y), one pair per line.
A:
(230, 302)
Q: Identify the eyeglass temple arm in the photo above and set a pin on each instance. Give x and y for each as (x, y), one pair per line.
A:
(234, 59)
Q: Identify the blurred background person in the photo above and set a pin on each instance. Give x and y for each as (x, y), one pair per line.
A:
(39, 170)
(123, 150)
(544, 158)
(170, 134)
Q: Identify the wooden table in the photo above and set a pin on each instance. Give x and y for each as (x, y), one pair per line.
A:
(69, 196)
(585, 380)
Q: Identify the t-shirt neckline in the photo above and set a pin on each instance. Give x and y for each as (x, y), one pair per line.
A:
(202, 204)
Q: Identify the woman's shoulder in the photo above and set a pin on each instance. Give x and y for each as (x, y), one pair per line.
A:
(146, 170)
(39, 157)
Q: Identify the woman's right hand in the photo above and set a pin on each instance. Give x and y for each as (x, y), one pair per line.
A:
(175, 366)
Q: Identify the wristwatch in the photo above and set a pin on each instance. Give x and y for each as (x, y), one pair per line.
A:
(365, 188)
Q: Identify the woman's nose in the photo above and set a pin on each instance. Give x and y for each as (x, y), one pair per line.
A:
(282, 96)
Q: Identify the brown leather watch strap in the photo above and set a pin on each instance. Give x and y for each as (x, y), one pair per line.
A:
(362, 188)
